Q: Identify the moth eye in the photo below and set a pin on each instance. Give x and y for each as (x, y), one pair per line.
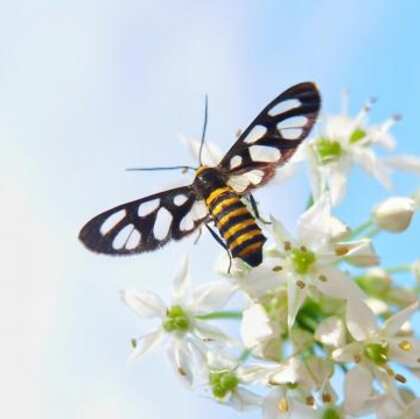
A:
(148, 207)
(235, 161)
(162, 224)
(255, 134)
(284, 106)
(122, 237)
(180, 200)
(112, 221)
(261, 153)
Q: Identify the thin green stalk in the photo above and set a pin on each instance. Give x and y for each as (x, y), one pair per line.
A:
(361, 228)
(230, 315)
(310, 201)
(405, 267)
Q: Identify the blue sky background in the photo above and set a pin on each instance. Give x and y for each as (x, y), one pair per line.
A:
(88, 88)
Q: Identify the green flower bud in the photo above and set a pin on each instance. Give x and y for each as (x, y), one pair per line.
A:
(176, 320)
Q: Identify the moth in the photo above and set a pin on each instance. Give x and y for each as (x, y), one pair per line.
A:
(216, 194)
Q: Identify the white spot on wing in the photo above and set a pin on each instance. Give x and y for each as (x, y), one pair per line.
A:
(292, 128)
(255, 176)
(148, 207)
(162, 224)
(180, 200)
(134, 240)
(238, 183)
(112, 221)
(186, 223)
(293, 122)
(235, 161)
(256, 133)
(284, 106)
(199, 210)
(261, 153)
(122, 237)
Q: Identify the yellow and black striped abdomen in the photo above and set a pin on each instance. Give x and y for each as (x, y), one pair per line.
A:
(237, 226)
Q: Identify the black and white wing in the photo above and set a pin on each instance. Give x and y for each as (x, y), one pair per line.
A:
(272, 137)
(145, 224)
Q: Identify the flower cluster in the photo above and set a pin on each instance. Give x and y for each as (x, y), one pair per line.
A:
(320, 310)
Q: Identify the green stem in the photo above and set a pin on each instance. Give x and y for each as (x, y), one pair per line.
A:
(405, 267)
(372, 232)
(234, 315)
(361, 228)
(246, 353)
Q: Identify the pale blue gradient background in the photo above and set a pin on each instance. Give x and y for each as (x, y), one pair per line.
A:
(88, 88)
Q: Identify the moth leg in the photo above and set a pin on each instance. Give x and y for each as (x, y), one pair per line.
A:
(222, 243)
(254, 206)
(200, 231)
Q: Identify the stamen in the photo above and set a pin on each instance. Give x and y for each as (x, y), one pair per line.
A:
(322, 278)
(405, 345)
(277, 268)
(287, 246)
(283, 405)
(400, 378)
(341, 250)
(326, 397)
(300, 284)
(357, 358)
(310, 400)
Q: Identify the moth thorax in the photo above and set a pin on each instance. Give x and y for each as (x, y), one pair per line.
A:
(208, 178)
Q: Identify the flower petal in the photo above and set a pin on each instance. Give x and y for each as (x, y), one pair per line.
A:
(393, 325)
(337, 284)
(243, 399)
(146, 343)
(347, 353)
(280, 233)
(211, 154)
(181, 359)
(145, 303)
(407, 163)
(295, 298)
(209, 333)
(359, 252)
(331, 332)
(181, 282)
(358, 389)
(211, 296)
(372, 165)
(360, 320)
(256, 328)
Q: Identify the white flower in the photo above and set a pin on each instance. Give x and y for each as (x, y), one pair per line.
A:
(211, 154)
(310, 261)
(373, 347)
(225, 379)
(180, 322)
(345, 141)
(394, 214)
(281, 403)
(396, 404)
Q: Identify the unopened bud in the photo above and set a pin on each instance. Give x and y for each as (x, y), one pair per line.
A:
(394, 214)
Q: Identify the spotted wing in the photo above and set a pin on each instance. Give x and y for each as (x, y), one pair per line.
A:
(272, 137)
(146, 224)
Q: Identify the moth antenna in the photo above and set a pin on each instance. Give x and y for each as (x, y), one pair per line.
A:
(153, 169)
(203, 134)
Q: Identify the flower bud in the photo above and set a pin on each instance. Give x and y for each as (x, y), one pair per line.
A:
(394, 214)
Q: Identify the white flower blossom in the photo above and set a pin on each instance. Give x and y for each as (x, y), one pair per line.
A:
(394, 214)
(310, 261)
(180, 322)
(374, 347)
(224, 376)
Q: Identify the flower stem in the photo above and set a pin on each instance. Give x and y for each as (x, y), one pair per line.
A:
(310, 201)
(361, 228)
(405, 267)
(233, 315)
